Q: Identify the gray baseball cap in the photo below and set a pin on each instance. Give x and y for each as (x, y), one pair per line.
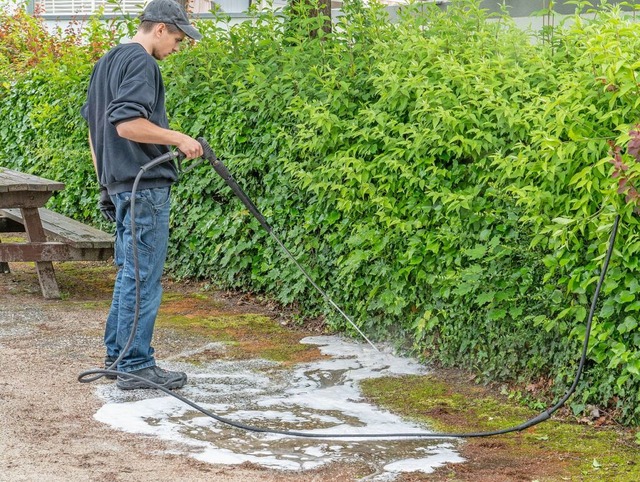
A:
(169, 11)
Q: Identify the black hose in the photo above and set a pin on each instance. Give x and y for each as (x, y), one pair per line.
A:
(85, 377)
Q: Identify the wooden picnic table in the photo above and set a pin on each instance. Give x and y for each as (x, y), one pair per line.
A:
(51, 236)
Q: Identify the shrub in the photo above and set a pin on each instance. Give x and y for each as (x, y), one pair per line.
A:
(445, 179)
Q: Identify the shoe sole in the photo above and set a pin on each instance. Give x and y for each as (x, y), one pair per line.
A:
(136, 384)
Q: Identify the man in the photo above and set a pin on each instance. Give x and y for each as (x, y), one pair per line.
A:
(128, 127)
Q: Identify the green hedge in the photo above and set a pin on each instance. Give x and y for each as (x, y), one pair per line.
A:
(445, 179)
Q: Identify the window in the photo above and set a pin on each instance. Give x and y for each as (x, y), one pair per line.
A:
(111, 7)
(85, 7)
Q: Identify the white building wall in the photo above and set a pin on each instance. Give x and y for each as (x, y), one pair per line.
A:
(61, 8)
(66, 13)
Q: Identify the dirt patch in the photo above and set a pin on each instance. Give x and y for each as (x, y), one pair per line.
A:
(558, 449)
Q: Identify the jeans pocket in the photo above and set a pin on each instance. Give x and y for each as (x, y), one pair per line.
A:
(160, 198)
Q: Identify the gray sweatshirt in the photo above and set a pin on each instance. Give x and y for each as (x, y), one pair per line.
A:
(126, 84)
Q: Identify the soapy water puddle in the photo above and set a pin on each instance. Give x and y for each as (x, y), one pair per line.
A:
(320, 397)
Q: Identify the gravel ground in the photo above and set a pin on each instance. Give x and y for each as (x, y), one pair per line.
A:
(47, 429)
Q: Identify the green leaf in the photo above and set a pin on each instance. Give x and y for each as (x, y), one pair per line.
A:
(563, 221)
(629, 324)
(486, 297)
(497, 314)
(476, 253)
(633, 367)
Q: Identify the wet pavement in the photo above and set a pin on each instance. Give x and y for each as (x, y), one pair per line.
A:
(320, 398)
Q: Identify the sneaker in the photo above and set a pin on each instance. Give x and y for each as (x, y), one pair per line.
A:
(154, 374)
(108, 361)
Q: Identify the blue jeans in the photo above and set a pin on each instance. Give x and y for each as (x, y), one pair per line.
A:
(152, 208)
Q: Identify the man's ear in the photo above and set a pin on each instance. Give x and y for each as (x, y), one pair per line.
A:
(160, 29)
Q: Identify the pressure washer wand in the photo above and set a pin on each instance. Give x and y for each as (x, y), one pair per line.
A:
(224, 173)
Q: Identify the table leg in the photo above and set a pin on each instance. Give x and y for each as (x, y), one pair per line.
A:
(4, 266)
(35, 232)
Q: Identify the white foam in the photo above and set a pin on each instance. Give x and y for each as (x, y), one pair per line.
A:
(320, 397)
(425, 464)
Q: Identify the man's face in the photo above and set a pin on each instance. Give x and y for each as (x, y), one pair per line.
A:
(166, 42)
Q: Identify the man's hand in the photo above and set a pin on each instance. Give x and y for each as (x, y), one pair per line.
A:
(190, 147)
(106, 206)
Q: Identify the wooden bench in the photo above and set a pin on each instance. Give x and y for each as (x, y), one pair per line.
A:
(50, 236)
(67, 239)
